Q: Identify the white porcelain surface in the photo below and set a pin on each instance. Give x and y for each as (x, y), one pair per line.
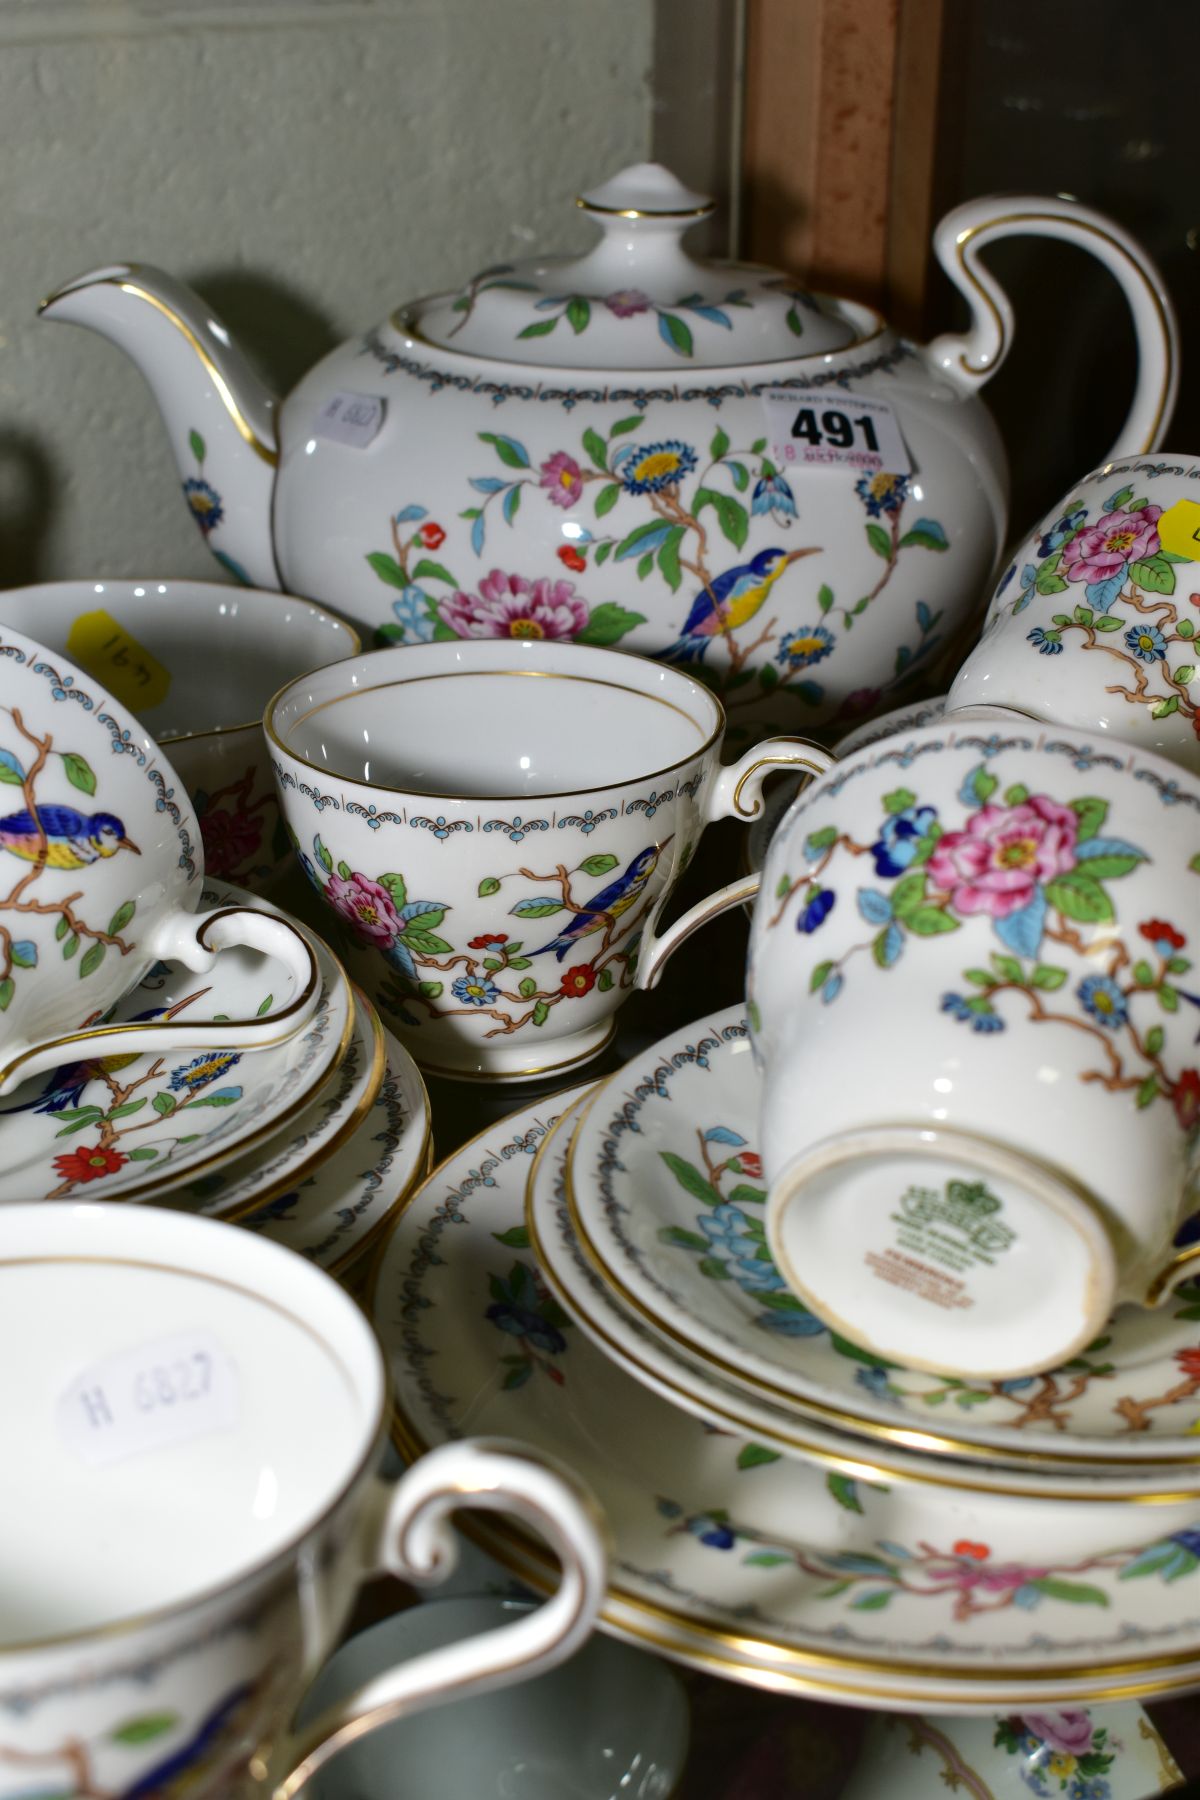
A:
(497, 826)
(1100, 1753)
(705, 1321)
(178, 1375)
(103, 874)
(601, 464)
(332, 1214)
(973, 1188)
(196, 662)
(130, 1126)
(724, 1552)
(611, 1724)
(305, 1140)
(1093, 625)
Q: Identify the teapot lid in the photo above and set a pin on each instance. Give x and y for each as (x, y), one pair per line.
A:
(637, 299)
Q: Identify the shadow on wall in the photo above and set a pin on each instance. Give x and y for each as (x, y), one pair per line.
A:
(281, 332)
(30, 496)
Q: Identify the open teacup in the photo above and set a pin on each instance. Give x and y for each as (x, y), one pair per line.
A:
(195, 661)
(971, 992)
(100, 874)
(1094, 625)
(191, 1500)
(499, 824)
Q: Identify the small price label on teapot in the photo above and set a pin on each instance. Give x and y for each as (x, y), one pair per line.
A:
(352, 419)
(166, 1392)
(826, 429)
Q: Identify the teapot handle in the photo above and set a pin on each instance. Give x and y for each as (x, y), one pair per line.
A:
(973, 358)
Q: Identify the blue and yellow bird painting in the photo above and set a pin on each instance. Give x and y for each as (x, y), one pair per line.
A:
(728, 601)
(67, 839)
(65, 1085)
(608, 904)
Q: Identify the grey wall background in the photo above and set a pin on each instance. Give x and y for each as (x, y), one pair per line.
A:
(305, 164)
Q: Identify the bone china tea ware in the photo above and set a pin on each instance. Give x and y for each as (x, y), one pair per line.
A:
(191, 1500)
(644, 1209)
(759, 1566)
(499, 824)
(970, 988)
(698, 461)
(1093, 626)
(196, 661)
(611, 1724)
(104, 871)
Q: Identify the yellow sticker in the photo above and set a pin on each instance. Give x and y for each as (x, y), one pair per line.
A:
(1179, 529)
(114, 656)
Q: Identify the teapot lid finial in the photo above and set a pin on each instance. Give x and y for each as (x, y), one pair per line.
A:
(637, 300)
(646, 190)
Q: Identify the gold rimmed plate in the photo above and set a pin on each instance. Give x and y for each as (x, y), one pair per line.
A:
(332, 1214)
(628, 1338)
(295, 1152)
(713, 1560)
(665, 1193)
(129, 1127)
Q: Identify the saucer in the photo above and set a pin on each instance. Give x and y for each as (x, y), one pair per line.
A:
(331, 1215)
(298, 1150)
(121, 1127)
(609, 1724)
(665, 1192)
(712, 1563)
(655, 1360)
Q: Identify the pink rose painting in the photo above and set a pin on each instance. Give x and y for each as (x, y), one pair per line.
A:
(562, 479)
(1070, 1733)
(509, 606)
(627, 303)
(368, 908)
(1005, 853)
(1106, 549)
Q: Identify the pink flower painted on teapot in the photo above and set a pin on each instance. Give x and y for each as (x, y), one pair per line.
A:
(1106, 549)
(1004, 854)
(512, 606)
(562, 478)
(627, 303)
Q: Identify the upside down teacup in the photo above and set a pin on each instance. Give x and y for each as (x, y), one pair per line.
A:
(191, 1500)
(498, 823)
(1093, 627)
(101, 871)
(972, 992)
(195, 661)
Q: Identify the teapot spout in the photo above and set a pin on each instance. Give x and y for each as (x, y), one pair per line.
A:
(219, 415)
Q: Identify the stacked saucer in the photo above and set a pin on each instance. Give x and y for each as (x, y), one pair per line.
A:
(309, 1141)
(787, 1508)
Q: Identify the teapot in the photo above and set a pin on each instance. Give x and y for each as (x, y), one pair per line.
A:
(697, 461)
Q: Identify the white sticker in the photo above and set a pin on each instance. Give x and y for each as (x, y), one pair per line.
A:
(162, 1393)
(352, 419)
(831, 430)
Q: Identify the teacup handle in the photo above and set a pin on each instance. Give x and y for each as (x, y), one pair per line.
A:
(196, 940)
(416, 1542)
(1174, 1270)
(736, 794)
(973, 357)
